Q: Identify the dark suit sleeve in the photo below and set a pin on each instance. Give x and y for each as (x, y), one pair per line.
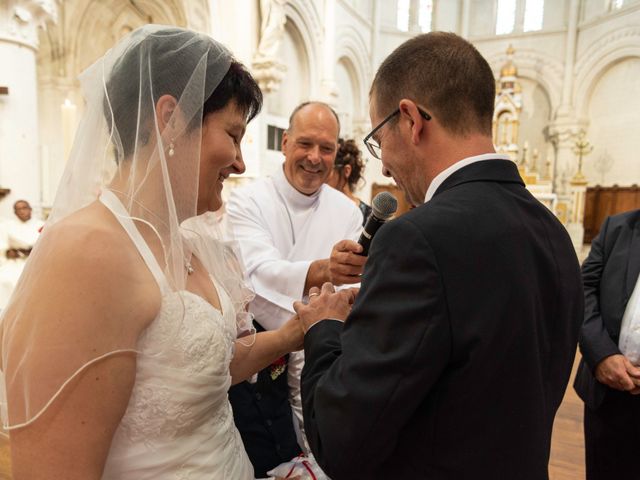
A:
(595, 342)
(361, 385)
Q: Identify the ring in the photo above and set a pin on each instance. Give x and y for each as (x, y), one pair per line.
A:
(313, 294)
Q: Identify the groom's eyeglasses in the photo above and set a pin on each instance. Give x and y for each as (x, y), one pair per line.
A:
(372, 144)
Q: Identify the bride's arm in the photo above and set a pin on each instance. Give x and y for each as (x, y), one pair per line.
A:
(252, 356)
(82, 299)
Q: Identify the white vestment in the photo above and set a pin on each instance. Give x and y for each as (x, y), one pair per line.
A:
(280, 232)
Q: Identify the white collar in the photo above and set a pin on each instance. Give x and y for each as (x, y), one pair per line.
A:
(293, 196)
(443, 175)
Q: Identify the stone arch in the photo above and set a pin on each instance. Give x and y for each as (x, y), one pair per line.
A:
(598, 58)
(198, 15)
(304, 17)
(96, 21)
(536, 66)
(295, 86)
(353, 53)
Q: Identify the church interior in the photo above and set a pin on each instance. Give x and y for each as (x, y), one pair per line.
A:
(567, 105)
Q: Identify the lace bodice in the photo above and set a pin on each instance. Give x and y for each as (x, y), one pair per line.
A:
(179, 424)
(179, 418)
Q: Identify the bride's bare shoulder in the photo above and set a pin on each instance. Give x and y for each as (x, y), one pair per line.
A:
(89, 255)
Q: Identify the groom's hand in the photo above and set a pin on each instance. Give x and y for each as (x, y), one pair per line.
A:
(325, 303)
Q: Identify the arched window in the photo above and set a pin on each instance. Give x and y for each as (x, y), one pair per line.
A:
(533, 13)
(403, 15)
(506, 17)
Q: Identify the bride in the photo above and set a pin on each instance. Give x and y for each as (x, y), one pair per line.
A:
(128, 325)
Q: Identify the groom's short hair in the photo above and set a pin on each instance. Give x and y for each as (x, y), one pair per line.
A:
(443, 73)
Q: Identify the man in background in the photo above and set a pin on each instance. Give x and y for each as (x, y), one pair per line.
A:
(608, 378)
(17, 237)
(295, 233)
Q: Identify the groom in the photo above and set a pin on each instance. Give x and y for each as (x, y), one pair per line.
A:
(456, 354)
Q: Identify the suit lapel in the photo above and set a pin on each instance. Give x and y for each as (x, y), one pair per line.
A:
(633, 267)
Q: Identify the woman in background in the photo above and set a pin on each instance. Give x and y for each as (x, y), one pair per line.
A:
(348, 170)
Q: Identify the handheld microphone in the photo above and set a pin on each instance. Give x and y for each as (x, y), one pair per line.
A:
(384, 205)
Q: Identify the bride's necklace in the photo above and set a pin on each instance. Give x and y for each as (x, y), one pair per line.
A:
(187, 263)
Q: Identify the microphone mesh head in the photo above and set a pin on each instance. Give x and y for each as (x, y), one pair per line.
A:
(384, 205)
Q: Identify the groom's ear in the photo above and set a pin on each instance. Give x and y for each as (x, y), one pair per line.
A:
(165, 109)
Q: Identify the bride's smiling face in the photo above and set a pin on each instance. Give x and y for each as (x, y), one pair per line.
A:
(220, 155)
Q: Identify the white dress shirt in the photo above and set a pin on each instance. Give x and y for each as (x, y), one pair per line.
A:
(443, 175)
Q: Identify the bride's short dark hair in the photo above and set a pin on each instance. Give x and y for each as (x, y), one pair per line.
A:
(170, 73)
(238, 85)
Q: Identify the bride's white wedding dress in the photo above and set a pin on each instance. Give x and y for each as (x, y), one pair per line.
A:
(179, 423)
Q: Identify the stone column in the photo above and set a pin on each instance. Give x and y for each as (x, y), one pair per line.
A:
(20, 162)
(375, 35)
(328, 86)
(465, 18)
(414, 17)
(566, 125)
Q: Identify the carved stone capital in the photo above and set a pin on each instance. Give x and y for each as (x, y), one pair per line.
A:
(21, 19)
(563, 132)
(329, 89)
(269, 74)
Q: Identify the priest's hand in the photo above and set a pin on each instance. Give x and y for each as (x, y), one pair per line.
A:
(345, 263)
(343, 267)
(325, 303)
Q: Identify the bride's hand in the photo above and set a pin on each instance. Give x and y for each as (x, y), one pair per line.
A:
(292, 334)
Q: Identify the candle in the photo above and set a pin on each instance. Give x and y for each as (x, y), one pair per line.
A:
(68, 127)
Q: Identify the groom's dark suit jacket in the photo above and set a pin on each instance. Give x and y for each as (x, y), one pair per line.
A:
(609, 273)
(459, 347)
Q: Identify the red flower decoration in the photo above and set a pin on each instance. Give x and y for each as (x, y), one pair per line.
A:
(278, 367)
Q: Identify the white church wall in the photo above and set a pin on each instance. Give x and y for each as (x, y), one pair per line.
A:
(19, 153)
(555, 15)
(236, 24)
(363, 8)
(536, 115)
(482, 18)
(614, 113)
(347, 96)
(354, 72)
(595, 30)
(593, 8)
(608, 49)
(447, 16)
(353, 46)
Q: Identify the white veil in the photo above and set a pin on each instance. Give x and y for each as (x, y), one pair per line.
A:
(153, 171)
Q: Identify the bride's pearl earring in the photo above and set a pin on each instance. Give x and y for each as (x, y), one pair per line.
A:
(171, 149)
